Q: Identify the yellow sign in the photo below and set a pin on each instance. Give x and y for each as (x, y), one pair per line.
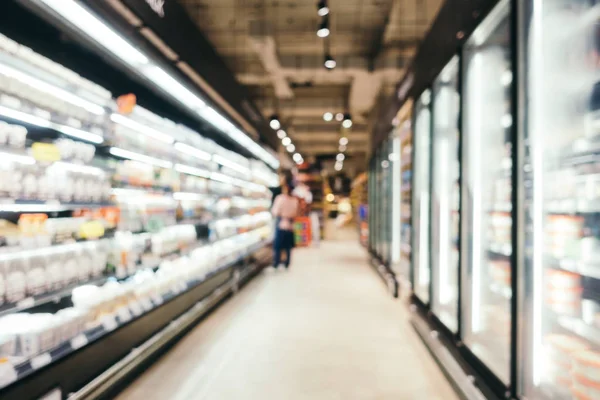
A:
(45, 152)
(91, 230)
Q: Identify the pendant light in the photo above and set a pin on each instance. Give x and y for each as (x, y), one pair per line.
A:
(322, 9)
(323, 30)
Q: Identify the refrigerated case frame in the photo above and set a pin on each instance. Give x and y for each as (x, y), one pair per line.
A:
(379, 224)
(416, 139)
(490, 384)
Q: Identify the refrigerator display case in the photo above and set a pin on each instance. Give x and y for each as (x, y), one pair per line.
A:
(486, 244)
(561, 146)
(380, 197)
(445, 197)
(421, 195)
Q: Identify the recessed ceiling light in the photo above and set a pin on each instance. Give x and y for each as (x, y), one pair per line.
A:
(286, 141)
(339, 117)
(343, 141)
(323, 30)
(329, 62)
(274, 122)
(291, 148)
(327, 116)
(281, 134)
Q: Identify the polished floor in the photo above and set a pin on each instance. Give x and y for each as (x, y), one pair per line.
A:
(325, 330)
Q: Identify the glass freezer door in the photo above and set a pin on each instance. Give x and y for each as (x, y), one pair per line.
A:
(562, 206)
(486, 245)
(445, 196)
(422, 266)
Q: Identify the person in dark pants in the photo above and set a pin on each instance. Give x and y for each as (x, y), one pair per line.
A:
(285, 210)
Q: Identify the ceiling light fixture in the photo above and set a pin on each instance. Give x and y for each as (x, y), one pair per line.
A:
(339, 166)
(281, 134)
(274, 122)
(297, 157)
(327, 116)
(347, 121)
(329, 62)
(323, 30)
(322, 9)
(342, 147)
(339, 117)
(291, 148)
(286, 141)
(340, 157)
(104, 35)
(343, 141)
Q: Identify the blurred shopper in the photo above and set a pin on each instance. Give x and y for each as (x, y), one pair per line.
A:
(285, 210)
(284, 176)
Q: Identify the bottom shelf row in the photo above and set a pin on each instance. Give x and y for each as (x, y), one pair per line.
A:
(30, 342)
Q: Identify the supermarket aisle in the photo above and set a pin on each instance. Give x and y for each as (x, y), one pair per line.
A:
(326, 329)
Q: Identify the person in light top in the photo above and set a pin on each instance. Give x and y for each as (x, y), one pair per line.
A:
(285, 210)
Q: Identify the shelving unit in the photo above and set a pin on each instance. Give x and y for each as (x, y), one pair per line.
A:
(113, 227)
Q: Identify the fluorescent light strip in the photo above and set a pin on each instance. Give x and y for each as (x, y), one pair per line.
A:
(192, 151)
(129, 192)
(216, 176)
(52, 90)
(44, 123)
(185, 169)
(188, 196)
(230, 164)
(77, 168)
(118, 152)
(141, 128)
(79, 134)
(32, 208)
(173, 87)
(97, 30)
(24, 117)
(111, 41)
(26, 160)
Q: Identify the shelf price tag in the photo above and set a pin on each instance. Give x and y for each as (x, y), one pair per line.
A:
(40, 361)
(109, 323)
(79, 341)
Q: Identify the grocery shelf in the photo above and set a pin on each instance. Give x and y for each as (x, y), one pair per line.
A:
(77, 362)
(32, 302)
(578, 267)
(573, 206)
(26, 205)
(580, 328)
